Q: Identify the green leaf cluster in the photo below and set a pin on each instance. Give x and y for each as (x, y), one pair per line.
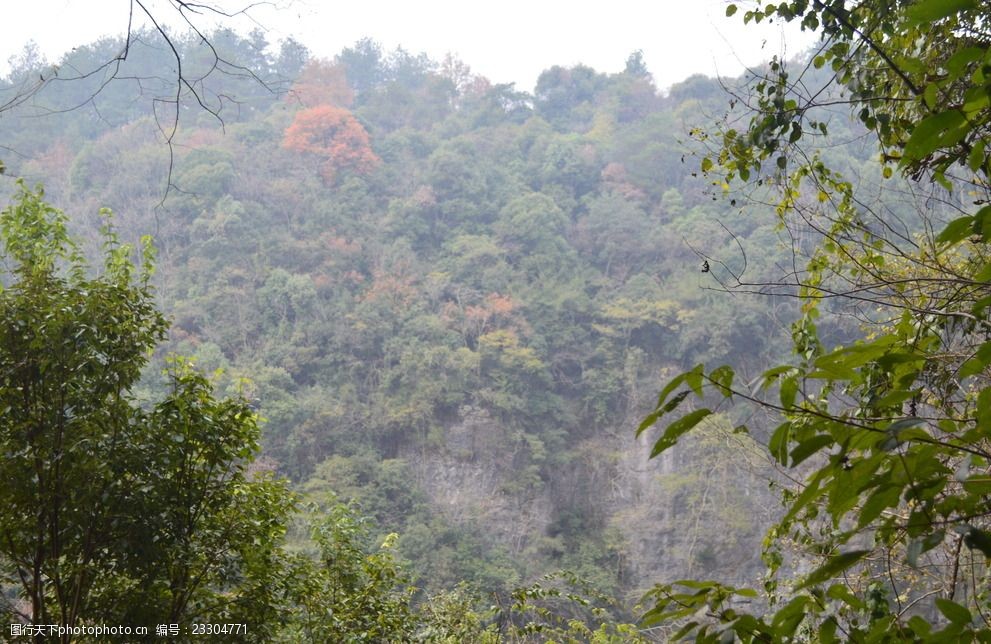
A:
(887, 436)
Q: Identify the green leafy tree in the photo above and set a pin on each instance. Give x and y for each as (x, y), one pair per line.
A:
(451, 618)
(564, 96)
(348, 594)
(117, 511)
(563, 607)
(889, 436)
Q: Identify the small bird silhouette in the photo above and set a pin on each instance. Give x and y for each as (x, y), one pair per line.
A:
(705, 266)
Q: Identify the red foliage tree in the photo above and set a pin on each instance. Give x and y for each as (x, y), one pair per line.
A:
(334, 135)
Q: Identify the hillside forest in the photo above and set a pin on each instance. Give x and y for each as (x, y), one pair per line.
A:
(357, 349)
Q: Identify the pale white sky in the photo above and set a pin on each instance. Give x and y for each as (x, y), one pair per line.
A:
(506, 41)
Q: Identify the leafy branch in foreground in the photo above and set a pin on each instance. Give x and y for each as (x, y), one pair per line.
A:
(889, 435)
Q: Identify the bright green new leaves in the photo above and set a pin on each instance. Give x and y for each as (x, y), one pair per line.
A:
(563, 607)
(932, 10)
(691, 606)
(941, 130)
(349, 594)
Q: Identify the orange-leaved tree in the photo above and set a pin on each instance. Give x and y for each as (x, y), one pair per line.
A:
(333, 135)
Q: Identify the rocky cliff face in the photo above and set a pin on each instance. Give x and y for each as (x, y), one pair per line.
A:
(472, 479)
(693, 511)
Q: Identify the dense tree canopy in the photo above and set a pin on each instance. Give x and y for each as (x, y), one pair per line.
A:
(458, 336)
(484, 309)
